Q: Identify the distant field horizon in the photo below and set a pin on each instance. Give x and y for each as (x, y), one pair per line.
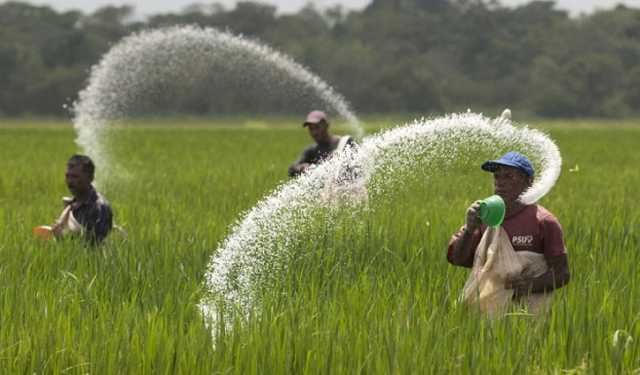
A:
(370, 122)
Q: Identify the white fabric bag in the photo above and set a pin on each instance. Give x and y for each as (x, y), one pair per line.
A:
(69, 222)
(494, 262)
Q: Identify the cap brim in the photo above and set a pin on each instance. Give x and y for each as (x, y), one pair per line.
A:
(492, 165)
(311, 123)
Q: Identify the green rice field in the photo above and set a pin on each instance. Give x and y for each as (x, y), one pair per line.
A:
(373, 296)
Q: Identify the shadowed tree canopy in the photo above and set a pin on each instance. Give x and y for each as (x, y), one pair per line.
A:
(393, 56)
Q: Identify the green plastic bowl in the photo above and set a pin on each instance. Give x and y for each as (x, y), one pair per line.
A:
(492, 210)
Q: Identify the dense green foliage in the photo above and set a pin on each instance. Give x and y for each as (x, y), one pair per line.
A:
(378, 297)
(393, 56)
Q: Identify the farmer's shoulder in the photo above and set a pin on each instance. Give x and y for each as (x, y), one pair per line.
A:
(310, 149)
(545, 216)
(102, 203)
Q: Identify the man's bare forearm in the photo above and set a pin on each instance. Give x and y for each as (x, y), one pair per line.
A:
(462, 249)
(556, 277)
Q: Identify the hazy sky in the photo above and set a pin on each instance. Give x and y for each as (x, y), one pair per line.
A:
(157, 6)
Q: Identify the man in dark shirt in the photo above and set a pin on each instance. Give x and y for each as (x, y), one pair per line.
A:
(530, 227)
(318, 126)
(87, 211)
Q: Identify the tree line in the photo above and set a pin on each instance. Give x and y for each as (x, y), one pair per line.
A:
(392, 56)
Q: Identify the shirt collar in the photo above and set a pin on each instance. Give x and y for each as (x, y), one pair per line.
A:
(93, 197)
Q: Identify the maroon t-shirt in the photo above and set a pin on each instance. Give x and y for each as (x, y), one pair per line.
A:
(531, 229)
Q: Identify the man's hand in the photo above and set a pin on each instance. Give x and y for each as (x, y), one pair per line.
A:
(521, 286)
(302, 167)
(473, 217)
(556, 277)
(514, 282)
(57, 229)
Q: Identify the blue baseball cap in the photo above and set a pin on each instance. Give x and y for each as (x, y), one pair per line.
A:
(510, 159)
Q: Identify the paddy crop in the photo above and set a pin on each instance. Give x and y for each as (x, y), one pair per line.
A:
(374, 295)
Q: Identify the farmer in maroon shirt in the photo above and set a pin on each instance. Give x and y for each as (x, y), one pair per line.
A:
(530, 227)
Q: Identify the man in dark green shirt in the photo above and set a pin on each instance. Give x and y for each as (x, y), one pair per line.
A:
(325, 145)
(88, 210)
